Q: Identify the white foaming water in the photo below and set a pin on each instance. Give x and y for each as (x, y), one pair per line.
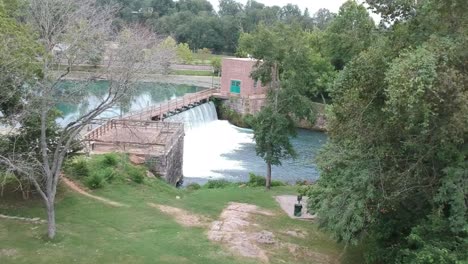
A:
(196, 117)
(207, 140)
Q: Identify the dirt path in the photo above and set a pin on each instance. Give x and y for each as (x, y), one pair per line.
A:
(287, 202)
(181, 216)
(79, 190)
(26, 219)
(232, 229)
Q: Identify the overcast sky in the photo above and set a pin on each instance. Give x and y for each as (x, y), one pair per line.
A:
(313, 5)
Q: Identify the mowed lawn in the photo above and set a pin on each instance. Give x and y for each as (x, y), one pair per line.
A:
(90, 231)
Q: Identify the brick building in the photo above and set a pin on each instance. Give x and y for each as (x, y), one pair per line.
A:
(245, 94)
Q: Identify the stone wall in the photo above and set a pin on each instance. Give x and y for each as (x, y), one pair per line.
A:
(252, 105)
(169, 165)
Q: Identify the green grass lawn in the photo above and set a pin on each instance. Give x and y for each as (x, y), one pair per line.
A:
(192, 73)
(90, 231)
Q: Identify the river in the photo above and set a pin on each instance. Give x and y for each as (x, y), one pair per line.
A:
(213, 149)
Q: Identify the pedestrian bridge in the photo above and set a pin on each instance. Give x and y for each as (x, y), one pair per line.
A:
(147, 137)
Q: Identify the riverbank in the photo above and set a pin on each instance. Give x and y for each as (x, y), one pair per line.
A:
(200, 81)
(244, 120)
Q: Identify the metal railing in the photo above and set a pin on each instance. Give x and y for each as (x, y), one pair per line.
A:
(171, 105)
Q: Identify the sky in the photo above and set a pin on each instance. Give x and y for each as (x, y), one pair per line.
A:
(313, 5)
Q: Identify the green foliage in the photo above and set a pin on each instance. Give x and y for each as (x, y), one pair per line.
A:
(235, 118)
(96, 180)
(78, 168)
(216, 64)
(271, 133)
(204, 54)
(217, 184)
(260, 181)
(349, 33)
(393, 174)
(137, 175)
(109, 174)
(303, 73)
(256, 181)
(18, 50)
(169, 42)
(95, 171)
(184, 53)
(195, 22)
(110, 159)
(193, 186)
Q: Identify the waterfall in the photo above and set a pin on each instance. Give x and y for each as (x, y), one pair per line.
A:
(196, 117)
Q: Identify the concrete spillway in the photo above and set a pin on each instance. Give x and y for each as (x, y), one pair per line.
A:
(196, 116)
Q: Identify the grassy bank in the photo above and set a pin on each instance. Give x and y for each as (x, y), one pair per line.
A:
(90, 231)
(192, 73)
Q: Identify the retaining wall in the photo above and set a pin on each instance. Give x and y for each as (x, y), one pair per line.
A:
(169, 164)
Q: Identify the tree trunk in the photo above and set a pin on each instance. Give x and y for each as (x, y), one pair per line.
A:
(268, 177)
(51, 219)
(323, 98)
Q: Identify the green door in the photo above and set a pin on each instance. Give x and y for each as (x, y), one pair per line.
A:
(235, 86)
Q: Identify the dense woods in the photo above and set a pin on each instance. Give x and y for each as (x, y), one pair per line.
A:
(196, 22)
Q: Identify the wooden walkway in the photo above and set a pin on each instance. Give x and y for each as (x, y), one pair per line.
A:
(159, 112)
(144, 131)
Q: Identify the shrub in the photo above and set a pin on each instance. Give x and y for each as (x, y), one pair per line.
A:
(304, 190)
(136, 175)
(80, 168)
(256, 181)
(110, 160)
(277, 183)
(260, 181)
(217, 184)
(108, 174)
(193, 186)
(95, 181)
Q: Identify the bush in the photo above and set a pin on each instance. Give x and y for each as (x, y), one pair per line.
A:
(260, 181)
(96, 180)
(136, 175)
(217, 184)
(256, 181)
(110, 160)
(108, 174)
(277, 183)
(235, 118)
(80, 168)
(193, 186)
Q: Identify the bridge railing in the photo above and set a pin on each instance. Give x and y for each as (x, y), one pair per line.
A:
(128, 123)
(171, 105)
(146, 113)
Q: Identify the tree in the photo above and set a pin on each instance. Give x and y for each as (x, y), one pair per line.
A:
(184, 53)
(272, 130)
(204, 54)
(77, 29)
(350, 32)
(229, 8)
(17, 52)
(216, 63)
(163, 7)
(273, 124)
(194, 6)
(290, 13)
(322, 18)
(393, 174)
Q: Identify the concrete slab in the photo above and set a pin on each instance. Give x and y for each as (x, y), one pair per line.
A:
(287, 204)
